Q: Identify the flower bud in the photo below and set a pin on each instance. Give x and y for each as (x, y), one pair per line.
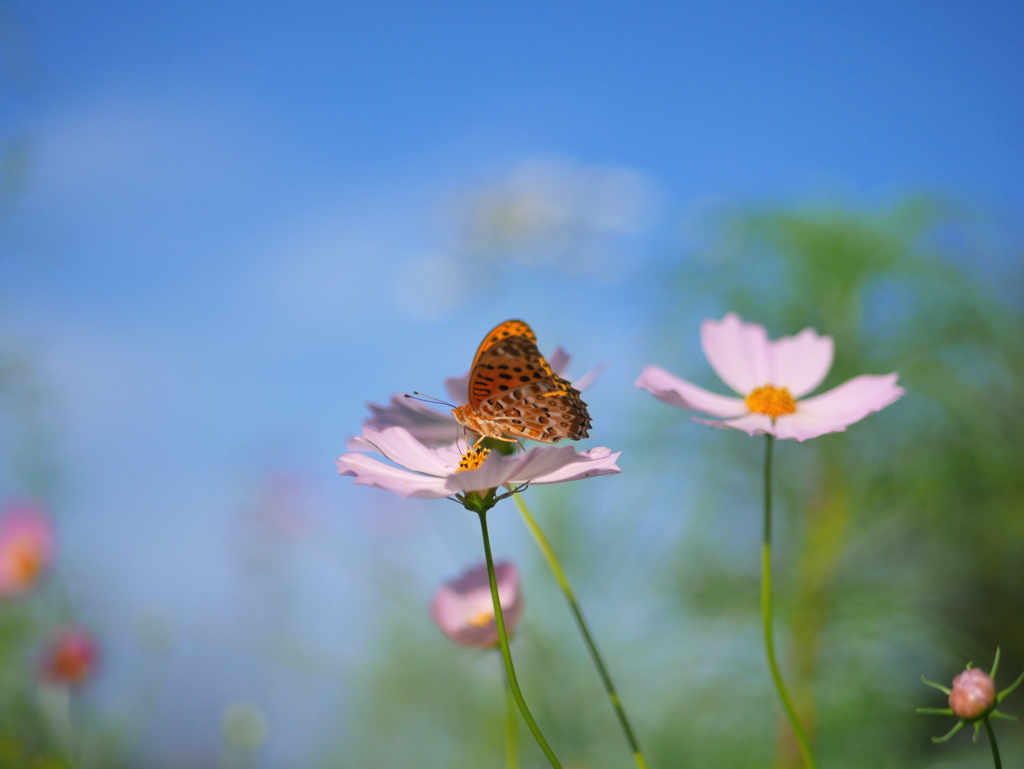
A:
(973, 695)
(70, 658)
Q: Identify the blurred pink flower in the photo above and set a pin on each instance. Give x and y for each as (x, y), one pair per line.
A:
(26, 547)
(464, 610)
(442, 471)
(70, 658)
(434, 428)
(772, 376)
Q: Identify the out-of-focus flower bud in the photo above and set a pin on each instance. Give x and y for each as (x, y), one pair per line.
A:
(70, 658)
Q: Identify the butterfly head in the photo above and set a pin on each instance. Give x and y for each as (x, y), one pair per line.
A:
(464, 416)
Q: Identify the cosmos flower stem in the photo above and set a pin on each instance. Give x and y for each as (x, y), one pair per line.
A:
(992, 741)
(511, 726)
(581, 623)
(55, 701)
(506, 655)
(766, 613)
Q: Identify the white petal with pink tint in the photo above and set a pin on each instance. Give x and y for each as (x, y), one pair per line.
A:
(402, 448)
(799, 363)
(368, 471)
(588, 464)
(840, 407)
(678, 392)
(544, 464)
(737, 351)
(433, 471)
(751, 424)
(428, 425)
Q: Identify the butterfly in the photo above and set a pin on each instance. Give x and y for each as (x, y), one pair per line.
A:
(514, 392)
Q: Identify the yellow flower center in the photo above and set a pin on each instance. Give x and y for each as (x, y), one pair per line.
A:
(472, 459)
(481, 618)
(773, 401)
(24, 560)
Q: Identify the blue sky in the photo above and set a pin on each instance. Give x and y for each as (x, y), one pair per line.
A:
(240, 219)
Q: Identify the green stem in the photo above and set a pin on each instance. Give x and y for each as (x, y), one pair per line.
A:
(766, 613)
(992, 742)
(511, 727)
(581, 623)
(506, 655)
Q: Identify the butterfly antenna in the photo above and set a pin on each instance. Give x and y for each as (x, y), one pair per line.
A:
(418, 396)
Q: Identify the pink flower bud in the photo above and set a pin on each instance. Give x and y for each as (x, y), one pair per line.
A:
(973, 695)
(70, 658)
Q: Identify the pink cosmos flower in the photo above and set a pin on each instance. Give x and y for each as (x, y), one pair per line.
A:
(70, 658)
(464, 610)
(442, 471)
(26, 547)
(432, 427)
(772, 376)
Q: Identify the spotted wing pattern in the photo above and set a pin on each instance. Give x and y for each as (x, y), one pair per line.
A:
(514, 392)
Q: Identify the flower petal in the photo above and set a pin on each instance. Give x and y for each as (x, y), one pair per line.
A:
(542, 461)
(544, 464)
(458, 388)
(26, 546)
(459, 605)
(495, 470)
(589, 464)
(737, 351)
(840, 407)
(559, 360)
(678, 392)
(751, 424)
(368, 471)
(498, 468)
(799, 363)
(402, 448)
(426, 424)
(590, 377)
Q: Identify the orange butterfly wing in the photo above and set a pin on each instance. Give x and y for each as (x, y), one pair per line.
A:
(514, 391)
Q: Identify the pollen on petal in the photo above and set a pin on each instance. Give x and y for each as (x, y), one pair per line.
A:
(472, 459)
(771, 401)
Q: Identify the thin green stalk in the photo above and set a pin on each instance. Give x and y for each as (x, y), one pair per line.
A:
(506, 655)
(766, 613)
(992, 741)
(581, 623)
(511, 726)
